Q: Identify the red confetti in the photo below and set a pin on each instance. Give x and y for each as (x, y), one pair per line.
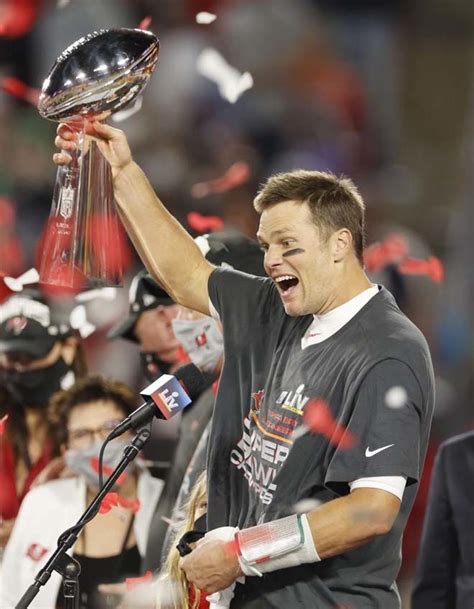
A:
(108, 471)
(129, 504)
(3, 424)
(203, 224)
(390, 251)
(318, 419)
(236, 175)
(112, 500)
(133, 582)
(35, 551)
(432, 267)
(18, 17)
(17, 88)
(108, 502)
(145, 23)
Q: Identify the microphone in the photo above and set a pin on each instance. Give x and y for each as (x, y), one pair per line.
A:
(164, 398)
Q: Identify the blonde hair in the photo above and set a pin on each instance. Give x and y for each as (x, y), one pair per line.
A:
(171, 569)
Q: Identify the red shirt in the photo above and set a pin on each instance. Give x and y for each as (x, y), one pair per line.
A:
(9, 499)
(203, 604)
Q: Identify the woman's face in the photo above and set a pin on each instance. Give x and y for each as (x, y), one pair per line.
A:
(92, 421)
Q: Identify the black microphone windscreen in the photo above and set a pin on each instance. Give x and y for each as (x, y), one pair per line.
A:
(192, 378)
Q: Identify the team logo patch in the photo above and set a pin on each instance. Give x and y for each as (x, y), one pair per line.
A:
(16, 325)
(36, 551)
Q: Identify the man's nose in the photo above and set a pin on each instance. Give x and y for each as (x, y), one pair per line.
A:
(273, 258)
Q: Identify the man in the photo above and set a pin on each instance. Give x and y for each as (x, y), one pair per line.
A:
(445, 570)
(315, 328)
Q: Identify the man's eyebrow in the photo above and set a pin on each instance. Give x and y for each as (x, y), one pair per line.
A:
(275, 233)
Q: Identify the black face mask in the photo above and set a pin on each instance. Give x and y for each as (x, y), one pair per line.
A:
(153, 366)
(33, 388)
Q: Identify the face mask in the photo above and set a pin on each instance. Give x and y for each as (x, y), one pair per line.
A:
(33, 388)
(202, 340)
(152, 365)
(84, 461)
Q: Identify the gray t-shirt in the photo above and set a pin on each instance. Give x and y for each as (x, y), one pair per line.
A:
(257, 472)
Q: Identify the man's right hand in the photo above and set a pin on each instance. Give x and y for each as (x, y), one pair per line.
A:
(111, 142)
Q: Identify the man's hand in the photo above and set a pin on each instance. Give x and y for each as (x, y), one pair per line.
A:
(212, 566)
(111, 142)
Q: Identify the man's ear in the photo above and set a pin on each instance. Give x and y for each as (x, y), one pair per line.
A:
(341, 244)
(69, 349)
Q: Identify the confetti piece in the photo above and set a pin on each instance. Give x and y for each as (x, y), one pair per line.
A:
(145, 23)
(78, 321)
(230, 82)
(3, 424)
(16, 285)
(204, 18)
(203, 224)
(107, 471)
(62, 3)
(236, 175)
(17, 17)
(390, 251)
(133, 582)
(108, 502)
(129, 504)
(104, 293)
(432, 267)
(17, 88)
(396, 397)
(317, 418)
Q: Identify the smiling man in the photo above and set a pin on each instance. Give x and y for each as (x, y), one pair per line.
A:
(316, 328)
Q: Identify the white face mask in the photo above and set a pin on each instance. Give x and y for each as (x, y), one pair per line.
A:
(202, 340)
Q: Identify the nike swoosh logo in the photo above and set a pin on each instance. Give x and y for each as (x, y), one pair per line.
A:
(371, 453)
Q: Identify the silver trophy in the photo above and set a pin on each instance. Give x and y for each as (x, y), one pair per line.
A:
(94, 77)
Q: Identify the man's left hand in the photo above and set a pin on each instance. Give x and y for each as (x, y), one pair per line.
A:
(212, 566)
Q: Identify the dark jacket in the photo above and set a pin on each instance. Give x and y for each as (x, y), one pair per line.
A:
(445, 569)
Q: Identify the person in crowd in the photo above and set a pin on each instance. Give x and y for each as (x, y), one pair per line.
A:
(315, 328)
(173, 590)
(444, 577)
(111, 546)
(39, 354)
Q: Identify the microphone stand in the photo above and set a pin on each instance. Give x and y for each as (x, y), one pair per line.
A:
(60, 561)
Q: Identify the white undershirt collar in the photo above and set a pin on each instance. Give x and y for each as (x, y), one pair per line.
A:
(324, 326)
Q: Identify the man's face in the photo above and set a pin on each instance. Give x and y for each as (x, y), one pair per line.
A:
(297, 258)
(155, 333)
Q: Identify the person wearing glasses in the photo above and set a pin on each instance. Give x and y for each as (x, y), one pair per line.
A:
(39, 354)
(111, 546)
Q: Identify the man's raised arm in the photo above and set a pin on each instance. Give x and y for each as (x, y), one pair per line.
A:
(166, 248)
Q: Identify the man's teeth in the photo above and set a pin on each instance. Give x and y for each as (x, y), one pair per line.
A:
(284, 278)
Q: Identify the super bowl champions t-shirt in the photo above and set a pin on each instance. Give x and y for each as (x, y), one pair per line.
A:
(258, 472)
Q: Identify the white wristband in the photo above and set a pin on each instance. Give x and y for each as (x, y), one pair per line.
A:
(289, 551)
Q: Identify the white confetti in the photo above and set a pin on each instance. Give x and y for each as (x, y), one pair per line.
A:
(105, 293)
(230, 82)
(16, 285)
(62, 3)
(396, 397)
(306, 505)
(78, 321)
(119, 117)
(204, 18)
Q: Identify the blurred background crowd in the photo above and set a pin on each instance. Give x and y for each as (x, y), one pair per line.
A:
(379, 90)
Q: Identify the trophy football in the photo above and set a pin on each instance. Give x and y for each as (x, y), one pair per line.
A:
(94, 77)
